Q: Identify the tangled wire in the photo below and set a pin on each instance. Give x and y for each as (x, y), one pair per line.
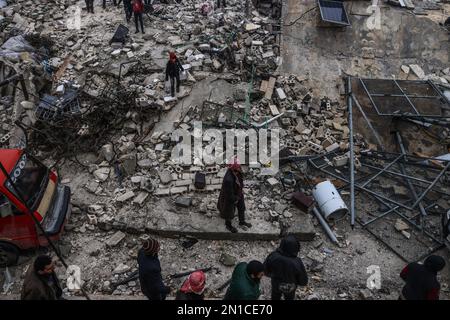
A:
(105, 106)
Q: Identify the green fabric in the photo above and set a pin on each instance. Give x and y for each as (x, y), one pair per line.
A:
(242, 286)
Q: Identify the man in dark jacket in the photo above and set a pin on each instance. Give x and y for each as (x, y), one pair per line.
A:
(245, 281)
(173, 69)
(286, 269)
(89, 6)
(421, 279)
(138, 11)
(128, 9)
(41, 282)
(193, 287)
(232, 196)
(150, 278)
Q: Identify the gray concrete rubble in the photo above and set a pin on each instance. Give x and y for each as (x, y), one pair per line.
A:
(111, 130)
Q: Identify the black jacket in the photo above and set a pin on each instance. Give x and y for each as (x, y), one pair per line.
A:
(284, 266)
(189, 296)
(173, 69)
(150, 278)
(230, 193)
(421, 281)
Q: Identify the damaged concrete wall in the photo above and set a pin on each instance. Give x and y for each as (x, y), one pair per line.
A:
(324, 55)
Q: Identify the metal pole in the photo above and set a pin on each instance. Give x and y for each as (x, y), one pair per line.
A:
(370, 97)
(36, 221)
(386, 244)
(431, 185)
(365, 189)
(325, 225)
(379, 217)
(407, 98)
(438, 91)
(375, 133)
(411, 187)
(398, 174)
(352, 153)
(383, 170)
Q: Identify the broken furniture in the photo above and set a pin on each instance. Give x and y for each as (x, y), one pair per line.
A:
(52, 108)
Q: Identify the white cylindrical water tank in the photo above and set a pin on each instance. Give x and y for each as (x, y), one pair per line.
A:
(329, 200)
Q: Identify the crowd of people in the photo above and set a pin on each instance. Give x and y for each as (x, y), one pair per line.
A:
(283, 266)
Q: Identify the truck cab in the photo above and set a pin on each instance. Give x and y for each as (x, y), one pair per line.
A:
(48, 200)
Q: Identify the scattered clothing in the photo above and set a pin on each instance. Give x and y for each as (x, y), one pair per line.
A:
(286, 269)
(421, 279)
(40, 287)
(150, 278)
(242, 286)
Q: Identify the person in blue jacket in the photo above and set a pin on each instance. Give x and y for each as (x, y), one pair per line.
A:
(150, 278)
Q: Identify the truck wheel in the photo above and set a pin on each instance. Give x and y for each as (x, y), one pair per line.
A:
(9, 254)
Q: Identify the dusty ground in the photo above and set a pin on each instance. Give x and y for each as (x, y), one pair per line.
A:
(336, 272)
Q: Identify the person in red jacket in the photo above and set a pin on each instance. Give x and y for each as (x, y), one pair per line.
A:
(421, 279)
(138, 10)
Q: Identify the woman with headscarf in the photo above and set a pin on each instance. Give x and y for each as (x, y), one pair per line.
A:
(421, 279)
(232, 196)
(193, 287)
(150, 278)
(173, 69)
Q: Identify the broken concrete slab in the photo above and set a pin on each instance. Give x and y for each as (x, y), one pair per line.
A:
(115, 239)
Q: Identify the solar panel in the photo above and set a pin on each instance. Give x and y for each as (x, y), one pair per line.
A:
(333, 12)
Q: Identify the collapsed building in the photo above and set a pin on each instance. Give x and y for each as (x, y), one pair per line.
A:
(353, 105)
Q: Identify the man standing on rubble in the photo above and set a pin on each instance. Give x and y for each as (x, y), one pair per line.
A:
(41, 282)
(245, 281)
(89, 6)
(138, 10)
(150, 278)
(173, 69)
(286, 269)
(128, 9)
(421, 279)
(232, 196)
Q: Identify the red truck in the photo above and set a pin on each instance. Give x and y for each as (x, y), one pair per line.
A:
(48, 200)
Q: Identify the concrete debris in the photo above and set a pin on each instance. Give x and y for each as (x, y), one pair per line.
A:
(184, 202)
(116, 143)
(400, 225)
(115, 239)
